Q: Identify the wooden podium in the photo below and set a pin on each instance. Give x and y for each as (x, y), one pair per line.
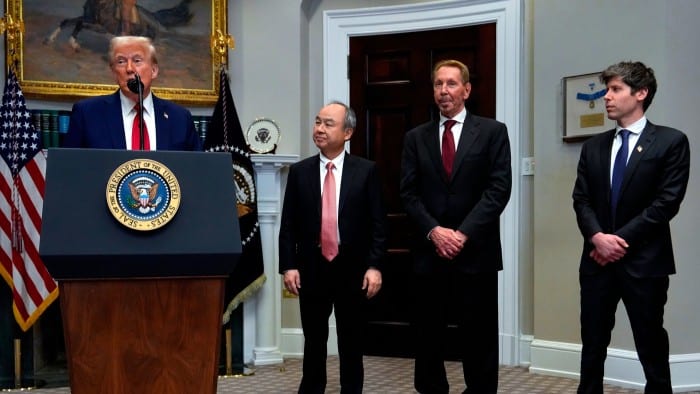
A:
(142, 310)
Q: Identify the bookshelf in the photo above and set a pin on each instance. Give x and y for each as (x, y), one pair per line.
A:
(53, 125)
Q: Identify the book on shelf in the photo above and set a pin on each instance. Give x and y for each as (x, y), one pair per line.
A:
(53, 125)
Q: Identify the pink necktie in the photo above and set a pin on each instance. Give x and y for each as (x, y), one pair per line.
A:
(448, 147)
(135, 135)
(329, 219)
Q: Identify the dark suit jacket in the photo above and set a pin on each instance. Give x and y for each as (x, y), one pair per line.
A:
(652, 190)
(471, 201)
(97, 123)
(361, 218)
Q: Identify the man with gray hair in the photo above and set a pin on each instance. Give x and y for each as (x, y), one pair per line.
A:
(331, 245)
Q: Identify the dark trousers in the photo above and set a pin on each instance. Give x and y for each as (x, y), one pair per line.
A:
(476, 309)
(644, 300)
(340, 288)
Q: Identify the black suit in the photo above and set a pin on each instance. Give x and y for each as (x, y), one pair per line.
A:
(471, 201)
(653, 187)
(338, 284)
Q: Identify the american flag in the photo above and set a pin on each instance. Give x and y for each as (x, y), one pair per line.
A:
(23, 170)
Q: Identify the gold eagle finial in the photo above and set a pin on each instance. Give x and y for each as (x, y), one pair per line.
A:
(14, 29)
(220, 43)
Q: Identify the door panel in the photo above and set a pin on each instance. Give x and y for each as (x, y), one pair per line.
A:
(391, 92)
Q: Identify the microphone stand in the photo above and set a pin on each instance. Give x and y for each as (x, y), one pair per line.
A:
(136, 86)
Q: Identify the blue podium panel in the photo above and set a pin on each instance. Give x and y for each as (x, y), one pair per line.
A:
(81, 239)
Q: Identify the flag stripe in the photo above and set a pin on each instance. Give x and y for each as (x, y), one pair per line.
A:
(22, 179)
(24, 285)
(38, 274)
(30, 208)
(5, 223)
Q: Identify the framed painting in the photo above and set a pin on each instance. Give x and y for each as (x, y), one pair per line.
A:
(584, 107)
(62, 54)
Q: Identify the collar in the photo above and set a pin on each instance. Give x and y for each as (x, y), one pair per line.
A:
(128, 105)
(338, 161)
(459, 117)
(635, 128)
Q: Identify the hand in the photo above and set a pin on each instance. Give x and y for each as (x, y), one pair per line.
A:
(608, 248)
(448, 243)
(372, 282)
(292, 281)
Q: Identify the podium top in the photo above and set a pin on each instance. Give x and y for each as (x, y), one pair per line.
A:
(82, 240)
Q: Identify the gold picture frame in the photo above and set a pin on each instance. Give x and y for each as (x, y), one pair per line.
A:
(584, 107)
(50, 66)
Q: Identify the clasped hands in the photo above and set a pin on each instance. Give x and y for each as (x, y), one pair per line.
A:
(448, 243)
(608, 248)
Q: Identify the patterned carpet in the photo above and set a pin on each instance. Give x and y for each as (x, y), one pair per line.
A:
(383, 376)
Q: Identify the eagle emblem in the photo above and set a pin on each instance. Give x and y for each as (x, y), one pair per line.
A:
(145, 196)
(140, 198)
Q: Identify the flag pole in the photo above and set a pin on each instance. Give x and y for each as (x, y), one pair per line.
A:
(18, 363)
(229, 353)
(13, 27)
(220, 43)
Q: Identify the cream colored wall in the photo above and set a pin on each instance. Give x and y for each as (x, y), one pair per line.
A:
(313, 12)
(575, 37)
(276, 71)
(266, 75)
(312, 83)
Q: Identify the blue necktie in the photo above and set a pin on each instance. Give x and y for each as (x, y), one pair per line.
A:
(619, 170)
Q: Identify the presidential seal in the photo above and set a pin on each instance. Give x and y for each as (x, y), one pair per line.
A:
(143, 194)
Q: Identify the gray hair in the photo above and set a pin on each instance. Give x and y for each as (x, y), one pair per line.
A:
(350, 120)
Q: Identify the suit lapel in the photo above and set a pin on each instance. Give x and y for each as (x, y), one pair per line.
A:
(161, 118)
(431, 139)
(644, 142)
(470, 133)
(312, 183)
(115, 121)
(349, 171)
(605, 154)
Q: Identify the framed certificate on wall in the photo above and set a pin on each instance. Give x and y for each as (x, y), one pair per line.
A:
(584, 107)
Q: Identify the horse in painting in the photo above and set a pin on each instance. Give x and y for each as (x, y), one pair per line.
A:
(123, 17)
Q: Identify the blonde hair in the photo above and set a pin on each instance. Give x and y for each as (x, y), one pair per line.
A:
(144, 42)
(452, 63)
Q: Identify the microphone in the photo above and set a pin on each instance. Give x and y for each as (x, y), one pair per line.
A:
(136, 86)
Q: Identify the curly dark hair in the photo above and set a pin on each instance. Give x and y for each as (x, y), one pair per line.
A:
(636, 75)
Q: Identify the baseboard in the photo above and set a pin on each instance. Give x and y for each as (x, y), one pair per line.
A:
(525, 344)
(622, 367)
(292, 342)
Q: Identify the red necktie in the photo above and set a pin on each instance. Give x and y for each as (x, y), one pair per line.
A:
(448, 147)
(135, 136)
(329, 219)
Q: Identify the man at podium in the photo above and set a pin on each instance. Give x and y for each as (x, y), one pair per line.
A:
(112, 121)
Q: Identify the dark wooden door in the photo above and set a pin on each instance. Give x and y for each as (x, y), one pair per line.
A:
(391, 91)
